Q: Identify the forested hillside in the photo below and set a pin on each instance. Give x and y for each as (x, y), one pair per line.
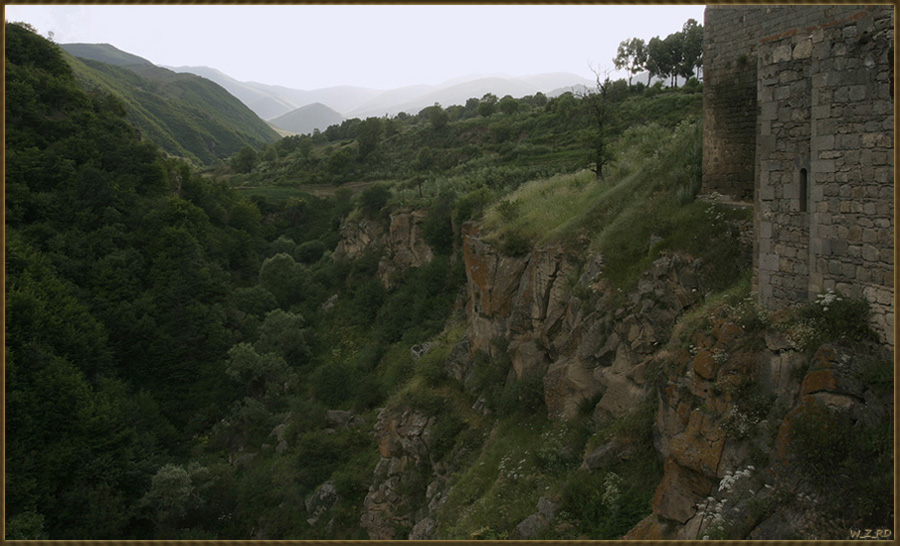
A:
(503, 319)
(185, 115)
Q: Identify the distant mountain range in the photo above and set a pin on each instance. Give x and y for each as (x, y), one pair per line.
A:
(272, 102)
(302, 111)
(306, 119)
(184, 114)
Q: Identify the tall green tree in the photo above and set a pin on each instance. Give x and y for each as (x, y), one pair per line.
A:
(283, 278)
(244, 160)
(284, 334)
(632, 56)
(508, 105)
(487, 105)
(437, 116)
(663, 57)
(692, 49)
(368, 135)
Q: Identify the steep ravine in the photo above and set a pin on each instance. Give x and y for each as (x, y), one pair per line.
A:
(737, 399)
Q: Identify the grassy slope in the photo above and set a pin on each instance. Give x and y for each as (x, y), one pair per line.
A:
(105, 53)
(643, 207)
(185, 115)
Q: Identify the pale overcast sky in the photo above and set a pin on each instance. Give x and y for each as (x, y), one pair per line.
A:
(376, 46)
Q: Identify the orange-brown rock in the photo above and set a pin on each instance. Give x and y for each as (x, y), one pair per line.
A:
(699, 447)
(726, 332)
(825, 358)
(818, 380)
(704, 365)
(648, 528)
(703, 340)
(740, 369)
(679, 492)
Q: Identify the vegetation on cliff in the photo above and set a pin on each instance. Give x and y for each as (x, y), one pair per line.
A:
(405, 327)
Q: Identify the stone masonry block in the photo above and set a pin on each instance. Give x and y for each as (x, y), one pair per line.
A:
(824, 142)
(781, 53)
(769, 262)
(803, 50)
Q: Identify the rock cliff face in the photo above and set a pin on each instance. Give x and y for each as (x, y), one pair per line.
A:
(400, 239)
(557, 319)
(727, 404)
(409, 485)
(732, 405)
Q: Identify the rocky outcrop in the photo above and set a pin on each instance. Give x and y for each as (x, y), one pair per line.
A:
(531, 527)
(555, 317)
(337, 419)
(405, 245)
(321, 501)
(409, 487)
(723, 397)
(401, 240)
(730, 397)
(359, 236)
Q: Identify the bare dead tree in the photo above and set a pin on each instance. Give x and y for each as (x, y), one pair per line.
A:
(597, 102)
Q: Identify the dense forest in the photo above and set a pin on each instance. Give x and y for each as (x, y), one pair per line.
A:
(204, 352)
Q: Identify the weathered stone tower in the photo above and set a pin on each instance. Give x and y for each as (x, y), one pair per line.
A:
(798, 118)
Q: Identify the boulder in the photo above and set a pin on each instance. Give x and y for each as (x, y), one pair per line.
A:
(279, 433)
(705, 365)
(547, 508)
(458, 365)
(777, 341)
(531, 527)
(648, 528)
(420, 349)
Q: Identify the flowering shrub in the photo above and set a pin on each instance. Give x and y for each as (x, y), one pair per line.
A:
(611, 491)
(714, 512)
(749, 315)
(739, 424)
(832, 317)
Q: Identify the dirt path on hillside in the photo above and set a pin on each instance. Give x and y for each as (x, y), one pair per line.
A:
(327, 190)
(320, 190)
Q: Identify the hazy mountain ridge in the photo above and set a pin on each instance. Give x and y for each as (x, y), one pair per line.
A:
(461, 92)
(105, 53)
(186, 115)
(274, 101)
(306, 119)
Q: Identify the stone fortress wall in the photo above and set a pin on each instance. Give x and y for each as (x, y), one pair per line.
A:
(798, 119)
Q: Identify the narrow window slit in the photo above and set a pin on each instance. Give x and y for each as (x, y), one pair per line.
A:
(804, 190)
